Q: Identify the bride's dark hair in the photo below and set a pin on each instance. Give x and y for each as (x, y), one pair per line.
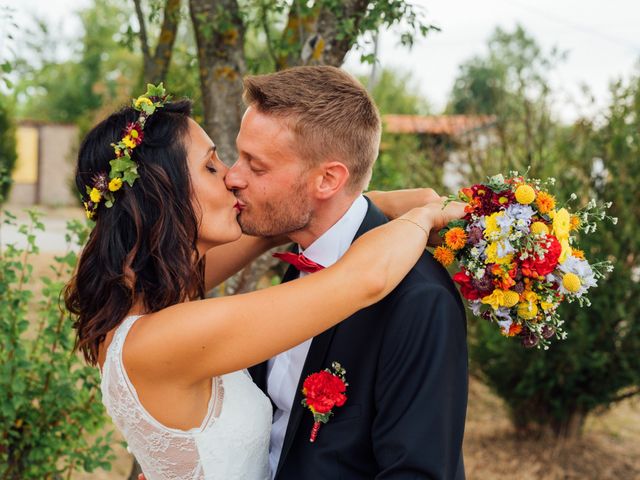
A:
(144, 246)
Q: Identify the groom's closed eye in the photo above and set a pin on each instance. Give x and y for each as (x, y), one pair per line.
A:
(256, 166)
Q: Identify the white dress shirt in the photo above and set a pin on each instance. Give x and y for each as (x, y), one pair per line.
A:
(284, 370)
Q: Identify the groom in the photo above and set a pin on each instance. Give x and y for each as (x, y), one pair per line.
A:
(306, 147)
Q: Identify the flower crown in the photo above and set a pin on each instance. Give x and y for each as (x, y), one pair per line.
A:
(123, 168)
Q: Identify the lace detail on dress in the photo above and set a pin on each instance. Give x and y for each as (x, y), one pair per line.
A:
(231, 443)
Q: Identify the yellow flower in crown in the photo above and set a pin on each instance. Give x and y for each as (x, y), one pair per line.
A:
(142, 100)
(95, 195)
(129, 142)
(115, 184)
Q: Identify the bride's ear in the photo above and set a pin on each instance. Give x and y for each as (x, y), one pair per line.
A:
(331, 179)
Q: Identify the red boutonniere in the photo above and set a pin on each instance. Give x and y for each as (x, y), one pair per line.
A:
(323, 391)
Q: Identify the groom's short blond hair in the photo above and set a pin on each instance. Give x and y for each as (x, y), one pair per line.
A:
(330, 112)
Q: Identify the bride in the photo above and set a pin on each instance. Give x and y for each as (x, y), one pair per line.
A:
(172, 362)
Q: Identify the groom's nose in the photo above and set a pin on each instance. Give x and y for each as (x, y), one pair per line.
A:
(234, 179)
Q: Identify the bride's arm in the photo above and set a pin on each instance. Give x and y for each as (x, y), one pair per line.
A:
(398, 202)
(190, 342)
(226, 260)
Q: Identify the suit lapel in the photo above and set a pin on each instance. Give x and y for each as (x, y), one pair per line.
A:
(314, 363)
(316, 358)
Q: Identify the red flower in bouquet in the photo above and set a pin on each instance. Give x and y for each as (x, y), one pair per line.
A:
(323, 391)
(537, 266)
(467, 288)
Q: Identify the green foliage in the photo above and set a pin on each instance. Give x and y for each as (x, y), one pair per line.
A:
(405, 161)
(510, 82)
(8, 154)
(51, 418)
(8, 27)
(270, 41)
(395, 92)
(73, 90)
(599, 362)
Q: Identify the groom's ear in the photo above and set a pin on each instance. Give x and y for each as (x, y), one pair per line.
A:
(330, 179)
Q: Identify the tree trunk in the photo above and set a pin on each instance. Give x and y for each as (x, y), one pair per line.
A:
(219, 35)
(571, 427)
(301, 24)
(156, 65)
(336, 45)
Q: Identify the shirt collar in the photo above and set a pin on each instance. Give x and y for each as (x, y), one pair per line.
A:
(332, 244)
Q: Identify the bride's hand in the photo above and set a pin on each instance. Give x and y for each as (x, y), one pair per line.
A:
(441, 216)
(398, 202)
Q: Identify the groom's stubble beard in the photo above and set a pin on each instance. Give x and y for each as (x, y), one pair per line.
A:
(278, 217)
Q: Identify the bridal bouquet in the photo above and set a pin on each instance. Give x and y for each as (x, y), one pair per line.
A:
(518, 258)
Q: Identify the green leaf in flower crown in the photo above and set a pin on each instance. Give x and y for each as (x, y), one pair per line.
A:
(130, 176)
(148, 109)
(121, 165)
(155, 91)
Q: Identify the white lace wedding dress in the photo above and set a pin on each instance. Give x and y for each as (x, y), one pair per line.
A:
(231, 443)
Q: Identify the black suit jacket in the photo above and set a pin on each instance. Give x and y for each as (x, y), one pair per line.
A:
(406, 364)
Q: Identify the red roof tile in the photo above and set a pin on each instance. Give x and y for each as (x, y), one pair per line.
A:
(450, 125)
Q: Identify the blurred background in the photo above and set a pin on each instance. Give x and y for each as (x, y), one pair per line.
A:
(466, 89)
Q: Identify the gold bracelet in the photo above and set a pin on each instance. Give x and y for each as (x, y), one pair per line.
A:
(416, 224)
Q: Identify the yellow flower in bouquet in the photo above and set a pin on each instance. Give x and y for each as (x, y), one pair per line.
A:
(525, 194)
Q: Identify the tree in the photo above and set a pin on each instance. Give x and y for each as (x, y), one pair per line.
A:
(99, 75)
(156, 63)
(511, 82)
(319, 32)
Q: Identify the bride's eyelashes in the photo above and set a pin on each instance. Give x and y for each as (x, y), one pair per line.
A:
(211, 169)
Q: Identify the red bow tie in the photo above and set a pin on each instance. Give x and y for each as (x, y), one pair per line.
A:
(299, 261)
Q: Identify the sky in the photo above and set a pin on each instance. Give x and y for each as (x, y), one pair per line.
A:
(602, 38)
